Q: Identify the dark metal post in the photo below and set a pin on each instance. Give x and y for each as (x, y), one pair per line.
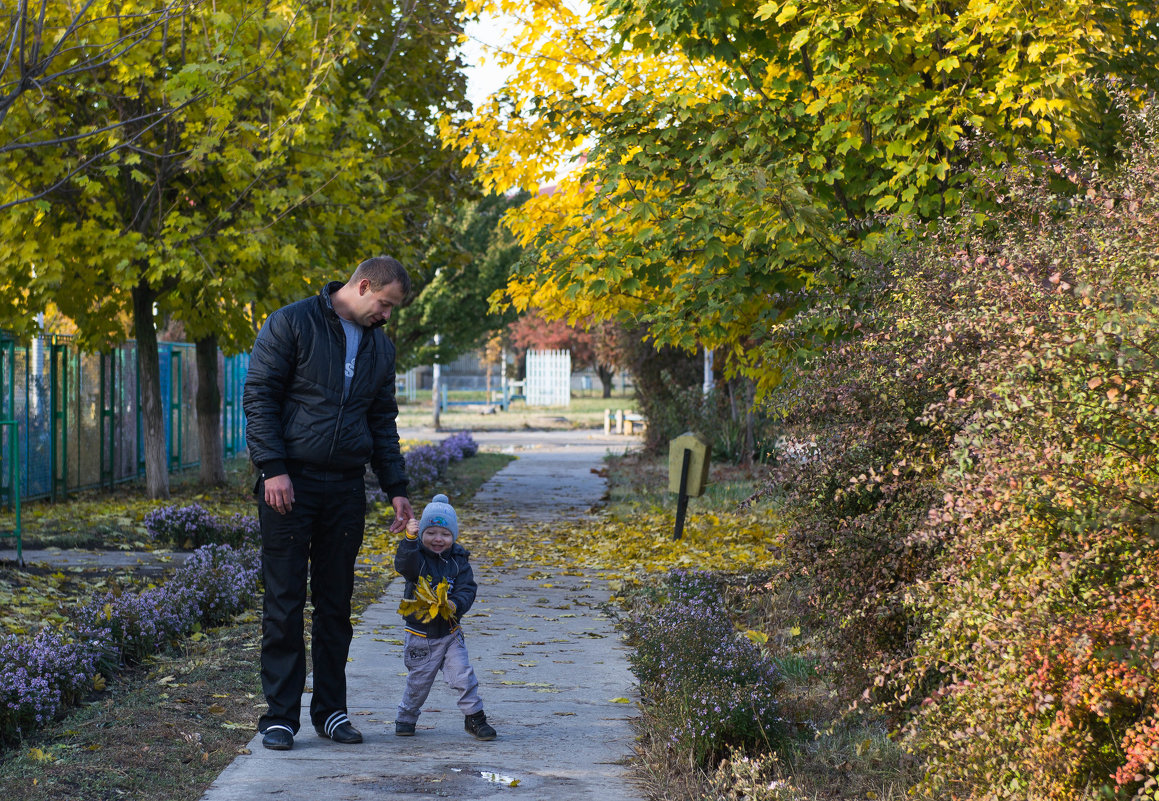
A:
(14, 485)
(108, 418)
(682, 498)
(58, 419)
(8, 399)
(176, 424)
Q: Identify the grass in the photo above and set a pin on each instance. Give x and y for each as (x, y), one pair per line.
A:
(99, 519)
(465, 479)
(164, 731)
(103, 519)
(584, 412)
(836, 752)
(640, 481)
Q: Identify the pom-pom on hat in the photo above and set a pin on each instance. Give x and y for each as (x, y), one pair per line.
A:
(439, 512)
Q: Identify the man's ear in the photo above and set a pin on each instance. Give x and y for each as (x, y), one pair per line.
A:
(363, 286)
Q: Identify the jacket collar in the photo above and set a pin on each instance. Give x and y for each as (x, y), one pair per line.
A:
(328, 303)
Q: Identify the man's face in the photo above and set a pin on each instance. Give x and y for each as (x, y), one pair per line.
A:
(372, 308)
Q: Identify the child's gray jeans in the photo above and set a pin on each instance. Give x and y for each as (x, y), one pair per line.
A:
(424, 657)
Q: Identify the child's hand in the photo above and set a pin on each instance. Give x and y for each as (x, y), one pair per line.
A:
(412, 529)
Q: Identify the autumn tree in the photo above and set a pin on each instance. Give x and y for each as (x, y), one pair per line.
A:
(470, 256)
(42, 50)
(105, 240)
(360, 164)
(244, 199)
(737, 155)
(610, 352)
(307, 140)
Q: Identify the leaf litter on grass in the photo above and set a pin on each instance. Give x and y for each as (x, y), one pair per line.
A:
(615, 547)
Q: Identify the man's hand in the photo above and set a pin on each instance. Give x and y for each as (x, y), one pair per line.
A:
(402, 513)
(279, 493)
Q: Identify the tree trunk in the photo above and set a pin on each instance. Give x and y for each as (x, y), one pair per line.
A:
(212, 471)
(606, 375)
(750, 439)
(152, 415)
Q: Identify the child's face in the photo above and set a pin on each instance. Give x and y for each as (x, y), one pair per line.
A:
(437, 539)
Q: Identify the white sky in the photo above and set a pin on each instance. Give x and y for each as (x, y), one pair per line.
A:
(483, 80)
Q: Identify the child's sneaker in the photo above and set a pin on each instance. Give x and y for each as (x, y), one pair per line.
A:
(478, 727)
(403, 729)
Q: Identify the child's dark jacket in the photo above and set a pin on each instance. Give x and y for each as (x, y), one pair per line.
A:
(412, 560)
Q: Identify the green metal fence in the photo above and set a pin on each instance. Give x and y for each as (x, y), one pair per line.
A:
(77, 416)
(10, 442)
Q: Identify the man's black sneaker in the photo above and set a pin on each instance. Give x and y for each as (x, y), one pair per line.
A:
(404, 729)
(278, 738)
(478, 727)
(339, 730)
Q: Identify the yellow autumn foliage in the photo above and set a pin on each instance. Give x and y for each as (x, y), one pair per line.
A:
(428, 603)
(616, 546)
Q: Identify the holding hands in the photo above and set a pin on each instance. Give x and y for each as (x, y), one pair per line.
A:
(403, 514)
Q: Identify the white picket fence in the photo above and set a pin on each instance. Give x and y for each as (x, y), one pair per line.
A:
(548, 378)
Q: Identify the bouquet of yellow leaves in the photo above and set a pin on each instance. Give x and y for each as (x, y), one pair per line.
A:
(428, 603)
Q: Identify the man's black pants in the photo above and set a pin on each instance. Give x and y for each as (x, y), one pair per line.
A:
(319, 538)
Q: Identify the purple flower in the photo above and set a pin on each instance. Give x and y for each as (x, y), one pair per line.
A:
(715, 687)
(42, 675)
(194, 525)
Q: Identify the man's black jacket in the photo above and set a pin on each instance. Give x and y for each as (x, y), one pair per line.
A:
(295, 415)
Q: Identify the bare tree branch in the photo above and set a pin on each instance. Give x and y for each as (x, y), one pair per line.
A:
(147, 120)
(403, 22)
(34, 72)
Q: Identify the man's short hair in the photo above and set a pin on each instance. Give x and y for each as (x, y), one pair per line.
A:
(380, 271)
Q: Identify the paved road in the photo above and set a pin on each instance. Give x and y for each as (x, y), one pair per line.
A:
(552, 668)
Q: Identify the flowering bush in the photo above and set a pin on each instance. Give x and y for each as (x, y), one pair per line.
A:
(239, 530)
(193, 525)
(692, 586)
(426, 464)
(222, 581)
(183, 526)
(978, 527)
(42, 676)
(460, 446)
(708, 686)
(138, 625)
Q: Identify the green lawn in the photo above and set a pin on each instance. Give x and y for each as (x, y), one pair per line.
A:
(583, 412)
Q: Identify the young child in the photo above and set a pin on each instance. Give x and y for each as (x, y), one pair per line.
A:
(427, 557)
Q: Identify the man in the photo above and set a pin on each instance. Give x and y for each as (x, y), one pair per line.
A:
(319, 404)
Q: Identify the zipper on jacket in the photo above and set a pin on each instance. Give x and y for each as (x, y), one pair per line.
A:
(334, 437)
(344, 395)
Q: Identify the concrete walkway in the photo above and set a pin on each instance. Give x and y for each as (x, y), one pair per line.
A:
(143, 561)
(552, 670)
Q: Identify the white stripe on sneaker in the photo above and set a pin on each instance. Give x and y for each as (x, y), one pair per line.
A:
(334, 721)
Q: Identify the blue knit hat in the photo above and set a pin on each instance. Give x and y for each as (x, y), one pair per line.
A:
(439, 512)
